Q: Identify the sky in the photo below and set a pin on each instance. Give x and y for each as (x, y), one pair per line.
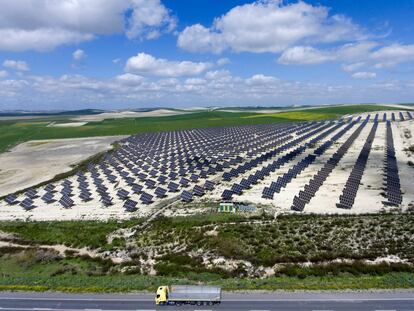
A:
(123, 54)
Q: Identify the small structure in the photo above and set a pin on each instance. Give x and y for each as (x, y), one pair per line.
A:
(236, 207)
(226, 207)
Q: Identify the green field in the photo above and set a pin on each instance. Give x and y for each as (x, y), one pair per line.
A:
(13, 132)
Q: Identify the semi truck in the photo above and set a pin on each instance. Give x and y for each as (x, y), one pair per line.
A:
(188, 294)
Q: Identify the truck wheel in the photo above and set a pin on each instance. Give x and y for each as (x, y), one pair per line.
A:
(199, 303)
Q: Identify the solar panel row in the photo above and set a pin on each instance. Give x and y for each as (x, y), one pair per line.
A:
(304, 197)
(347, 198)
(282, 181)
(391, 176)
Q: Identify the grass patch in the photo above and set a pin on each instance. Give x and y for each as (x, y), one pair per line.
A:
(288, 242)
(70, 233)
(297, 116)
(85, 275)
(320, 113)
(291, 239)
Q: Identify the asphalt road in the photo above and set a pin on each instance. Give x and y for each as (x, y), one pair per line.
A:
(335, 301)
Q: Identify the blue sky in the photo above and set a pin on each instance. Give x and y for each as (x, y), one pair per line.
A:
(115, 54)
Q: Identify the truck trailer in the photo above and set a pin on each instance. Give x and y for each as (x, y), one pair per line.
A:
(188, 294)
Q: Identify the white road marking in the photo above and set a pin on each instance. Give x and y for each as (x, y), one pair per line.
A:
(57, 309)
(230, 300)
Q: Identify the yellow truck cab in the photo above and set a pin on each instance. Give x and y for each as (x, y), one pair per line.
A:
(162, 295)
(188, 294)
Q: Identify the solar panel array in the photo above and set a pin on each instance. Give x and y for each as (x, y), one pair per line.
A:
(391, 176)
(394, 116)
(282, 181)
(186, 164)
(237, 189)
(304, 196)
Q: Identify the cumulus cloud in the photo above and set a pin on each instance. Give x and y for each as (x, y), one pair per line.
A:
(18, 65)
(3, 74)
(260, 79)
(214, 88)
(304, 55)
(130, 79)
(43, 25)
(364, 75)
(269, 26)
(147, 64)
(41, 39)
(149, 19)
(354, 55)
(307, 55)
(352, 67)
(393, 54)
(223, 61)
(78, 54)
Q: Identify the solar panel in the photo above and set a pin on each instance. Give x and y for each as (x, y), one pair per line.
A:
(236, 188)
(268, 193)
(106, 200)
(186, 196)
(112, 178)
(66, 189)
(11, 199)
(198, 190)
(160, 192)
(150, 183)
(130, 205)
(85, 196)
(136, 188)
(48, 197)
(31, 193)
(101, 189)
(66, 182)
(50, 188)
(227, 195)
(172, 175)
(146, 198)
(162, 179)
(123, 194)
(153, 173)
(173, 187)
(245, 183)
(66, 201)
(209, 185)
(142, 176)
(194, 177)
(27, 204)
(184, 182)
